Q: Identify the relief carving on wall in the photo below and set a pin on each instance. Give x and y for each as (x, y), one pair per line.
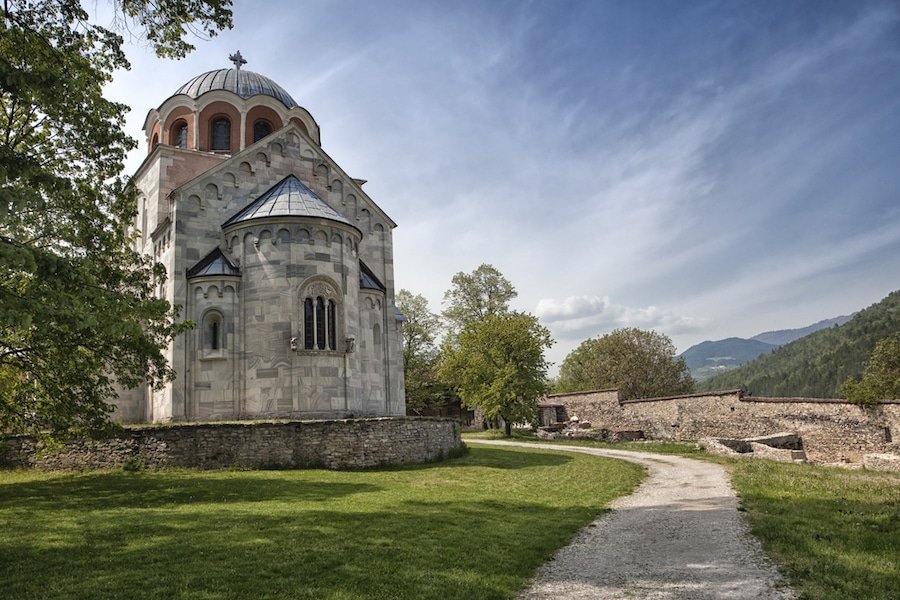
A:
(321, 288)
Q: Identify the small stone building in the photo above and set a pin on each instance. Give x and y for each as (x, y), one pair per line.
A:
(278, 256)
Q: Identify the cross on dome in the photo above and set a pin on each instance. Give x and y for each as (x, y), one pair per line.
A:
(238, 60)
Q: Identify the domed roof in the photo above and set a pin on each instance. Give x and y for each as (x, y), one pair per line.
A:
(245, 84)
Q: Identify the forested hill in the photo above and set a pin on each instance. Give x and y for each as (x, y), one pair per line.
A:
(815, 365)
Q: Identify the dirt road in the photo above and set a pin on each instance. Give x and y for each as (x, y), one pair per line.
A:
(679, 536)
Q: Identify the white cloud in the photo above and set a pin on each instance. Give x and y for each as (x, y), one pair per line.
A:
(585, 316)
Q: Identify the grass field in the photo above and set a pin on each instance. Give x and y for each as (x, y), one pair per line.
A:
(835, 533)
(472, 527)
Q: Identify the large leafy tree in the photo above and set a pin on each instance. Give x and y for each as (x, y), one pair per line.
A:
(881, 375)
(497, 365)
(474, 296)
(77, 307)
(642, 364)
(424, 388)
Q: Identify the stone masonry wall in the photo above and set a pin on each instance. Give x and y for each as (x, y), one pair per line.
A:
(832, 430)
(338, 444)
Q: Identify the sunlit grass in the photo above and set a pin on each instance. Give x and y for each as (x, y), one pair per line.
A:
(836, 533)
(473, 527)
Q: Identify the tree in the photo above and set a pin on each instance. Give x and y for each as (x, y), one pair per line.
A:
(881, 375)
(424, 389)
(498, 366)
(640, 363)
(473, 296)
(76, 301)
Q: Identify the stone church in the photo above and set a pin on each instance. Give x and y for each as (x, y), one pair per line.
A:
(279, 258)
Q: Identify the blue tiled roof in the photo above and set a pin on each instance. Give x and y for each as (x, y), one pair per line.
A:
(214, 264)
(287, 198)
(245, 84)
(368, 280)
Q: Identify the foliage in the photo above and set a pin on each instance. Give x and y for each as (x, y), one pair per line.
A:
(497, 364)
(416, 532)
(420, 354)
(76, 301)
(474, 296)
(642, 364)
(881, 375)
(816, 365)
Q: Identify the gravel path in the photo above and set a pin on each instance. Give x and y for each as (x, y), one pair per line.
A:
(678, 536)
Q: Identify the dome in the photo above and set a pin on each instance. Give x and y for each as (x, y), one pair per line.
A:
(245, 84)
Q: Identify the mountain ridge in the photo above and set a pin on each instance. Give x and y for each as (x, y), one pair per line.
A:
(714, 357)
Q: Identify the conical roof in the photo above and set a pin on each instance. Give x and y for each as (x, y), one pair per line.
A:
(214, 264)
(288, 198)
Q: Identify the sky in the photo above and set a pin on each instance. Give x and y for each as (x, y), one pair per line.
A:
(703, 169)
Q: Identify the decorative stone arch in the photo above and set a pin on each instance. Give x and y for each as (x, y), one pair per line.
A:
(212, 339)
(261, 114)
(213, 113)
(300, 125)
(321, 315)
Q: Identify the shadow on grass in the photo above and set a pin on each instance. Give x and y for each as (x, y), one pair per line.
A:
(500, 458)
(111, 490)
(475, 549)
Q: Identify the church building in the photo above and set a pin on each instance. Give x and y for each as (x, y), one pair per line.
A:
(279, 258)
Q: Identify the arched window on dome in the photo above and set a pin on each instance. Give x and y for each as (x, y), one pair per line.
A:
(220, 132)
(178, 135)
(154, 142)
(261, 128)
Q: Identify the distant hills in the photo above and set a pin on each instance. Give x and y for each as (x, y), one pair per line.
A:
(815, 365)
(708, 359)
(786, 336)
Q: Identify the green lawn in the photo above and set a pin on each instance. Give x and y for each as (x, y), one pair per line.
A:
(659, 447)
(835, 533)
(472, 527)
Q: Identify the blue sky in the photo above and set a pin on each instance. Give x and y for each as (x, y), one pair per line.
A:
(705, 169)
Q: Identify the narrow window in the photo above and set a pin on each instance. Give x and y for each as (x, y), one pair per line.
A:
(376, 340)
(155, 141)
(332, 328)
(261, 129)
(213, 338)
(181, 134)
(320, 323)
(308, 324)
(221, 135)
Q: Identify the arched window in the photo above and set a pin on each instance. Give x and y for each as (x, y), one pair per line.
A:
(320, 316)
(178, 136)
(261, 129)
(221, 135)
(376, 339)
(154, 142)
(332, 326)
(212, 332)
(309, 324)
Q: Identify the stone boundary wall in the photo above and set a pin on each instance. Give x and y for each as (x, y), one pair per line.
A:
(334, 444)
(833, 430)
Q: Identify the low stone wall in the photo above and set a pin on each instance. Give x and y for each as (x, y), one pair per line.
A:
(832, 430)
(338, 444)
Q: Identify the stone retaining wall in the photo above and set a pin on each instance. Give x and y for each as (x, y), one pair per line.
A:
(832, 430)
(337, 444)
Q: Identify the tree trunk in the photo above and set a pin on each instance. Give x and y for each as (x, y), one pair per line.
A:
(507, 427)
